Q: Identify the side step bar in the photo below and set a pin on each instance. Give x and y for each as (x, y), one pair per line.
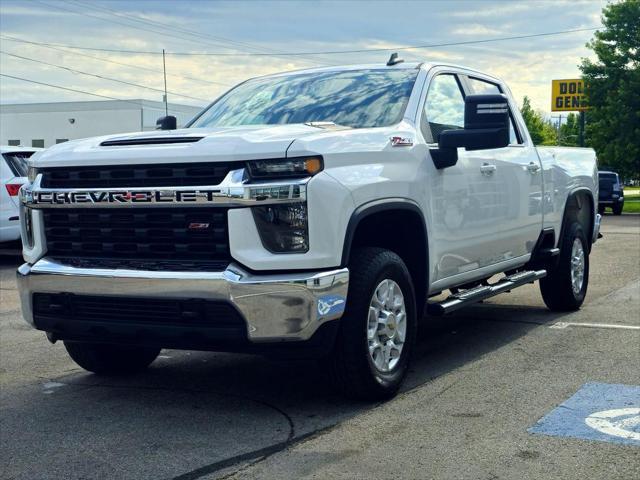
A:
(474, 295)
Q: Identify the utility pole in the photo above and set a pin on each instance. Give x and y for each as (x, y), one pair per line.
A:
(164, 68)
(581, 135)
(558, 124)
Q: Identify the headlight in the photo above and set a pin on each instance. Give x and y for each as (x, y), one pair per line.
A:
(32, 172)
(285, 168)
(283, 228)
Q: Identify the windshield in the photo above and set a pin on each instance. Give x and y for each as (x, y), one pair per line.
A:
(607, 179)
(357, 99)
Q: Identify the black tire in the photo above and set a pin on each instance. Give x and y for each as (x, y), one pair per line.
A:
(557, 289)
(105, 359)
(617, 209)
(354, 371)
(601, 209)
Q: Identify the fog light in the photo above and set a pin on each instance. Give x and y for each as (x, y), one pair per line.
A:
(283, 228)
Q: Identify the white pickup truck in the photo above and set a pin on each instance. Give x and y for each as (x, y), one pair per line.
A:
(317, 212)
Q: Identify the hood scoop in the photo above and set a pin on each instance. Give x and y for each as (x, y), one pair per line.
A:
(117, 142)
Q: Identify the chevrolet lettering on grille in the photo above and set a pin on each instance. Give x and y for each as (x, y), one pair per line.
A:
(126, 196)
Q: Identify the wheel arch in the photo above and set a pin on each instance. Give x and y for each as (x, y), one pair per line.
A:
(411, 245)
(581, 206)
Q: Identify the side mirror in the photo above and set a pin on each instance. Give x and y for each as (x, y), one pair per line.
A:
(486, 125)
(167, 123)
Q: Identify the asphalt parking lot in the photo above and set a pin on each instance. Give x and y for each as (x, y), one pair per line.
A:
(481, 381)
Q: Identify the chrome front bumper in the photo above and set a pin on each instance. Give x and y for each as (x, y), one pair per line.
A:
(276, 307)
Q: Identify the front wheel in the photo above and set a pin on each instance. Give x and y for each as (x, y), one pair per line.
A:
(565, 286)
(106, 359)
(378, 329)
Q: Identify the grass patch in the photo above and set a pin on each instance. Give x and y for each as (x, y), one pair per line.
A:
(631, 205)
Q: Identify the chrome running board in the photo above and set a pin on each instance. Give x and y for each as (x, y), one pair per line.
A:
(482, 292)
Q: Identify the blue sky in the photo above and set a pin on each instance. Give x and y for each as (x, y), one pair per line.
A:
(528, 65)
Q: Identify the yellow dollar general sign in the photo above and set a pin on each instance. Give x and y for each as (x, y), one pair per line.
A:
(567, 95)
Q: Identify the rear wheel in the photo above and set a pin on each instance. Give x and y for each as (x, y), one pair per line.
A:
(378, 329)
(105, 359)
(565, 286)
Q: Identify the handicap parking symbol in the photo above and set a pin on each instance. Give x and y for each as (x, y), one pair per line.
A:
(598, 411)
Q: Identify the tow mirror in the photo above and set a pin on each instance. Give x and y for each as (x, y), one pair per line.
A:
(167, 123)
(486, 125)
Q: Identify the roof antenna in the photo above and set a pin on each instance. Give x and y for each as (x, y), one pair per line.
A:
(394, 60)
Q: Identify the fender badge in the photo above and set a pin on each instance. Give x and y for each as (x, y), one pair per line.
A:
(401, 141)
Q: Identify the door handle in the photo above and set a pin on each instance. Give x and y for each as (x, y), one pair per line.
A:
(487, 169)
(533, 167)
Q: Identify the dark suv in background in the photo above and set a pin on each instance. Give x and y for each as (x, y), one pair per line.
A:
(611, 192)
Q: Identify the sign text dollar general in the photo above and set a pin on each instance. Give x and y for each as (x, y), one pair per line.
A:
(567, 95)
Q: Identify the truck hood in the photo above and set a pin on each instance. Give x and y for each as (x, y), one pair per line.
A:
(178, 146)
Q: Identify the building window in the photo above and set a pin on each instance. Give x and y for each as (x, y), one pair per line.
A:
(61, 140)
(14, 143)
(37, 143)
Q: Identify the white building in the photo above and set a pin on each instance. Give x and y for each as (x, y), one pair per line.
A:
(45, 124)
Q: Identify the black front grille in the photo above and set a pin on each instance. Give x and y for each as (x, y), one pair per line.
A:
(177, 234)
(132, 176)
(185, 323)
(136, 310)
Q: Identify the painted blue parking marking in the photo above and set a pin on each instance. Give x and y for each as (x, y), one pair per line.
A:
(331, 305)
(598, 411)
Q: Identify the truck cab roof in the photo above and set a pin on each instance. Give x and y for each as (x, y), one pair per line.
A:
(380, 66)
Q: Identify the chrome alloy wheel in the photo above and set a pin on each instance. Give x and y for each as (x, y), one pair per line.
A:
(577, 266)
(387, 325)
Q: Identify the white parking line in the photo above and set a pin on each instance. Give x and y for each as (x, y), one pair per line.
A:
(594, 325)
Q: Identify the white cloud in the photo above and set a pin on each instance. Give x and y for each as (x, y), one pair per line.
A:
(502, 9)
(476, 29)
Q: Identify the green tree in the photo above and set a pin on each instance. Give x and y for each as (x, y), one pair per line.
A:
(570, 131)
(541, 131)
(613, 88)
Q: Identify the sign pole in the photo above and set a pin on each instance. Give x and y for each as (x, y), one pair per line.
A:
(164, 69)
(581, 138)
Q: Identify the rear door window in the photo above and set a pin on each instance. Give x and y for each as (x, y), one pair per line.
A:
(483, 87)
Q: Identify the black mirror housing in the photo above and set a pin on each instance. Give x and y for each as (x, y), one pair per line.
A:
(167, 123)
(486, 126)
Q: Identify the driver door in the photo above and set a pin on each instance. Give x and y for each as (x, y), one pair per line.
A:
(469, 203)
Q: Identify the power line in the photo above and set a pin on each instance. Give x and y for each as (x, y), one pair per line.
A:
(101, 76)
(51, 47)
(393, 49)
(67, 88)
(163, 32)
(235, 44)
(86, 14)
(330, 52)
